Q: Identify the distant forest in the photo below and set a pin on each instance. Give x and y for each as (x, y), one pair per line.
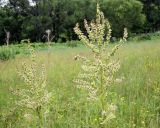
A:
(26, 19)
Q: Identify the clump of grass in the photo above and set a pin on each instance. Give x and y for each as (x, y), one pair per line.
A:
(6, 53)
(72, 44)
(98, 72)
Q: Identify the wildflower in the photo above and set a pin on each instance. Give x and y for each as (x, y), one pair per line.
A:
(34, 97)
(98, 73)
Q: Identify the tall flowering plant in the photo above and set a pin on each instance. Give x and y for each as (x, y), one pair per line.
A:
(98, 72)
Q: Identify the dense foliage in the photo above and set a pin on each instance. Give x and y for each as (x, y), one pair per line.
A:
(25, 19)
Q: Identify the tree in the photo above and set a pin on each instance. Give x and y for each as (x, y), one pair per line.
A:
(124, 13)
(7, 36)
(10, 23)
(67, 13)
(151, 9)
(26, 20)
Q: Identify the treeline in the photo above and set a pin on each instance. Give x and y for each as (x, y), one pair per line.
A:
(26, 19)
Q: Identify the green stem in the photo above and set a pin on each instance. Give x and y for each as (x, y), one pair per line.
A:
(39, 117)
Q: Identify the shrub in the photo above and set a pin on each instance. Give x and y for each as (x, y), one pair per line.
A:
(72, 44)
(156, 35)
(144, 37)
(6, 53)
(59, 40)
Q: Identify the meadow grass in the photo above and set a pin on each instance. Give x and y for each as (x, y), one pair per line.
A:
(137, 96)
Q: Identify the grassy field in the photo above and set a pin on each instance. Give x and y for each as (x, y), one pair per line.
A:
(137, 96)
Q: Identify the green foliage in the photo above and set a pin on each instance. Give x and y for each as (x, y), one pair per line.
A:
(124, 13)
(155, 35)
(11, 22)
(7, 53)
(151, 8)
(72, 44)
(31, 21)
(143, 37)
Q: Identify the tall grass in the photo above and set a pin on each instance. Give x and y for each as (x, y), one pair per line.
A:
(137, 96)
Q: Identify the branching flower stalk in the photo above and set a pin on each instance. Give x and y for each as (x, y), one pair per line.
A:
(98, 73)
(34, 99)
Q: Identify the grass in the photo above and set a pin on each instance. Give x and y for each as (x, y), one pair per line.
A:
(138, 95)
